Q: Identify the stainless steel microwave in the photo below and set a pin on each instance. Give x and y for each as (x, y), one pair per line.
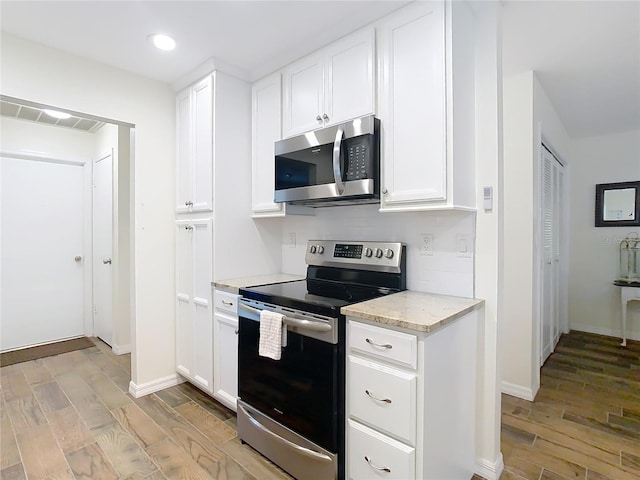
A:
(335, 165)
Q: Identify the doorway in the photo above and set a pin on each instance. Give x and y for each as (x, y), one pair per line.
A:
(117, 212)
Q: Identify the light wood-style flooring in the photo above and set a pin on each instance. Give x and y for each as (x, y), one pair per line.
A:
(585, 420)
(70, 417)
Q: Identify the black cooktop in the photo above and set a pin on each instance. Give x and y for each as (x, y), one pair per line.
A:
(315, 296)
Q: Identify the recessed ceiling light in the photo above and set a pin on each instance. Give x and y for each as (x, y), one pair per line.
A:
(56, 114)
(163, 42)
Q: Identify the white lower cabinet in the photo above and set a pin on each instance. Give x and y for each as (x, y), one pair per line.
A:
(194, 323)
(373, 455)
(410, 401)
(383, 397)
(225, 347)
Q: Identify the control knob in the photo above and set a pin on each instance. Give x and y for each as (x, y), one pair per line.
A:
(312, 249)
(368, 252)
(388, 253)
(320, 249)
(378, 253)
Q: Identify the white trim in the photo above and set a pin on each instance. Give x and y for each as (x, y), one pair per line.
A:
(153, 386)
(536, 362)
(42, 157)
(488, 469)
(121, 349)
(617, 333)
(518, 391)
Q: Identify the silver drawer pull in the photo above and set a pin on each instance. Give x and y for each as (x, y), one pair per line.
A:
(227, 304)
(371, 342)
(385, 400)
(382, 469)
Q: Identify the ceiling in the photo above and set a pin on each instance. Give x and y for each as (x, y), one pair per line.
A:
(17, 109)
(586, 53)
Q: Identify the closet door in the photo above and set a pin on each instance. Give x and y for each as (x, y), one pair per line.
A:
(553, 288)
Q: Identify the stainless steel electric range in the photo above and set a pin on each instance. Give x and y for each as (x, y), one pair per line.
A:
(292, 410)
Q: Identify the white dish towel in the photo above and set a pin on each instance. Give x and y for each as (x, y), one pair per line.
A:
(271, 334)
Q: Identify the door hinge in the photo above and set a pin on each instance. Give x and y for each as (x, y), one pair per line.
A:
(95, 310)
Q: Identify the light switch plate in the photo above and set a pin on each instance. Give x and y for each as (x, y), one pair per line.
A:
(463, 245)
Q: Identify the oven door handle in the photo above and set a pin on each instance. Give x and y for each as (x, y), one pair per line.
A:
(294, 322)
(302, 450)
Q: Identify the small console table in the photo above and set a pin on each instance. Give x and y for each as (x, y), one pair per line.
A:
(628, 293)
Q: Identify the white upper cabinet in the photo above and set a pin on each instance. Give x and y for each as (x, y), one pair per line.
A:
(330, 86)
(266, 122)
(194, 110)
(427, 139)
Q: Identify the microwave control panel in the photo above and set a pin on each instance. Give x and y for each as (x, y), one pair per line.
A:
(358, 159)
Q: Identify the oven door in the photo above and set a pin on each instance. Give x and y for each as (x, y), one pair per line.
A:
(299, 391)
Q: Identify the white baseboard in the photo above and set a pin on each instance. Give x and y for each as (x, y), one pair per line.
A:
(489, 470)
(121, 349)
(518, 391)
(631, 335)
(154, 386)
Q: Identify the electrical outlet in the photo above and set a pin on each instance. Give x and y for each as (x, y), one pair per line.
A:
(426, 247)
(292, 239)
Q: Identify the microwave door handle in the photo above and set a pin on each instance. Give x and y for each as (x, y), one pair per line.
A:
(337, 170)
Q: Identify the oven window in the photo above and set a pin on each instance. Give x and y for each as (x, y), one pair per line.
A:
(299, 391)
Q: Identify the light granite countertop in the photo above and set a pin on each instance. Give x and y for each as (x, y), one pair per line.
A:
(419, 311)
(233, 285)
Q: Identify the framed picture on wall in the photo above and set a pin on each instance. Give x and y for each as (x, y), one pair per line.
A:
(617, 204)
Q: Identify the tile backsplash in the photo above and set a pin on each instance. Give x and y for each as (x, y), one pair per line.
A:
(440, 245)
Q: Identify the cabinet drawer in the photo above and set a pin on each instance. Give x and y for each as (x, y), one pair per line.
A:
(226, 302)
(370, 453)
(384, 343)
(383, 397)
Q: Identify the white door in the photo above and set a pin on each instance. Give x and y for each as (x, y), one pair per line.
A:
(553, 285)
(184, 298)
(303, 96)
(202, 173)
(349, 86)
(41, 252)
(265, 121)
(103, 248)
(183, 140)
(414, 162)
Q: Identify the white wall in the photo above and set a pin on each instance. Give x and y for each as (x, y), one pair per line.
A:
(123, 245)
(529, 117)
(517, 327)
(40, 74)
(443, 272)
(489, 261)
(594, 302)
(45, 140)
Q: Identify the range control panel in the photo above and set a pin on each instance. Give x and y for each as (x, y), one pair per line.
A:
(375, 256)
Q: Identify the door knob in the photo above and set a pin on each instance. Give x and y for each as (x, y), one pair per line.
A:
(78, 258)
(106, 261)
